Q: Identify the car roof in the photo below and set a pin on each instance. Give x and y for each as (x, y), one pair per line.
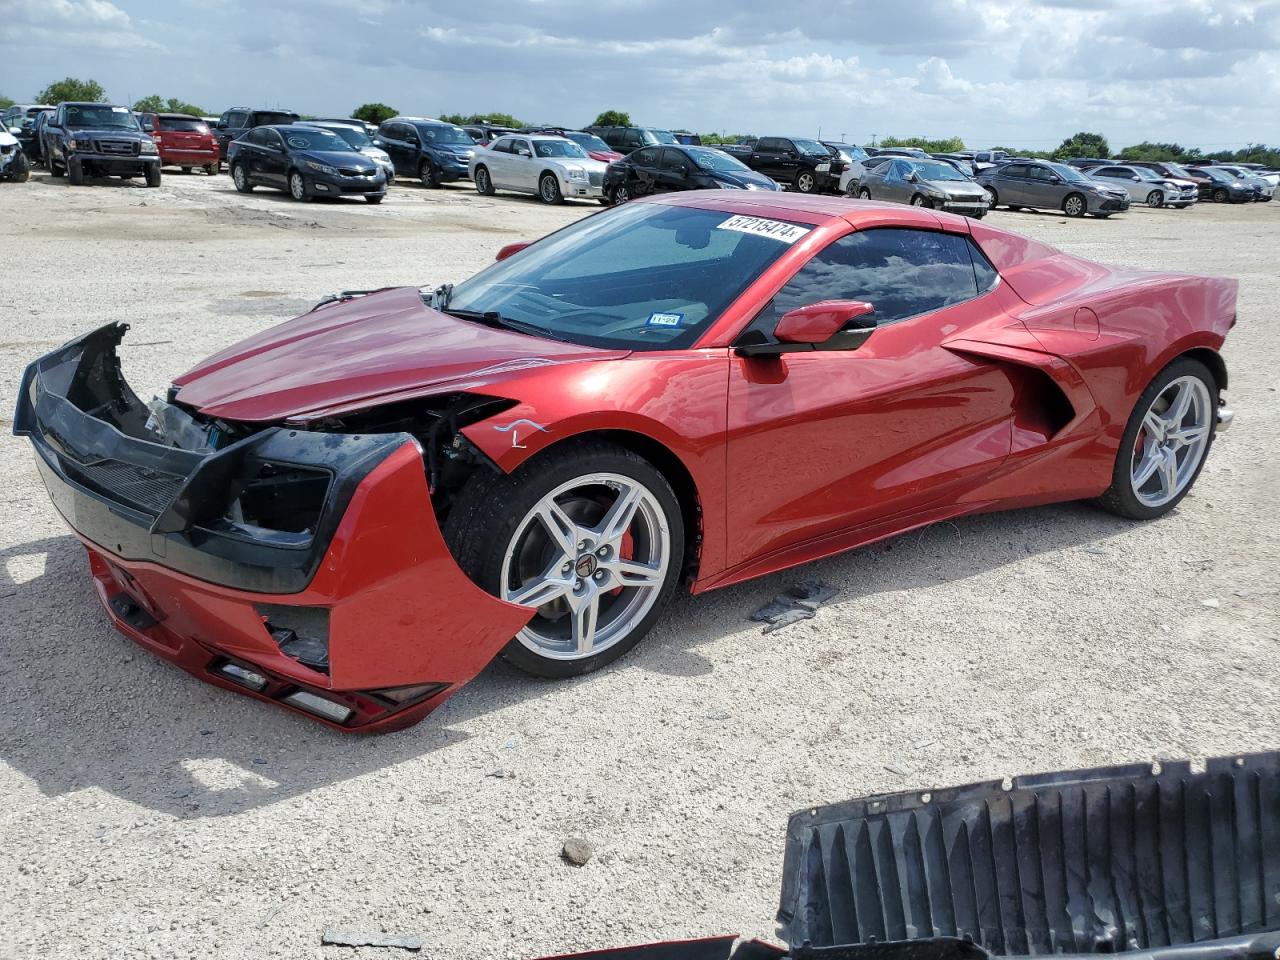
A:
(260, 110)
(811, 208)
(178, 116)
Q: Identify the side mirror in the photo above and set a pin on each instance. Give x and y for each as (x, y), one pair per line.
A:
(524, 153)
(913, 177)
(510, 250)
(828, 325)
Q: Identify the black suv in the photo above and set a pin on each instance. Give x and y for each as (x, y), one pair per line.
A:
(235, 122)
(20, 120)
(96, 140)
(802, 163)
(626, 139)
(431, 150)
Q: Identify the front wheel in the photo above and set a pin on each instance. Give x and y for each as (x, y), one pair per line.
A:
(621, 193)
(298, 187)
(428, 174)
(1155, 199)
(1165, 442)
(864, 194)
(240, 177)
(20, 169)
(484, 185)
(153, 175)
(1074, 205)
(921, 201)
(75, 174)
(1221, 196)
(591, 536)
(806, 182)
(992, 198)
(549, 189)
(373, 197)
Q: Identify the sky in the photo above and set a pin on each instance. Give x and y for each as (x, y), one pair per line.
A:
(995, 72)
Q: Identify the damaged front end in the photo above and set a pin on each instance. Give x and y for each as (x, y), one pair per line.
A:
(1159, 862)
(302, 566)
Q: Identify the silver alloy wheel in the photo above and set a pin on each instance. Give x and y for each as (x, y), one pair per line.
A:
(621, 194)
(239, 177)
(297, 188)
(864, 194)
(804, 183)
(1073, 207)
(917, 201)
(482, 181)
(1155, 199)
(1172, 441)
(548, 188)
(593, 568)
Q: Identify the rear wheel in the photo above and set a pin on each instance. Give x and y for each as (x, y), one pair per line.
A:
(211, 169)
(549, 189)
(1074, 205)
(240, 177)
(484, 186)
(186, 169)
(807, 182)
(590, 535)
(1165, 442)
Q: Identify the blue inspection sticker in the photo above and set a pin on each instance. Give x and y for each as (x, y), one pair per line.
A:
(665, 319)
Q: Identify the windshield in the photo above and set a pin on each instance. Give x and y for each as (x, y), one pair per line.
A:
(1176, 170)
(186, 126)
(1069, 174)
(446, 135)
(663, 136)
(939, 171)
(266, 118)
(301, 138)
(640, 277)
(1218, 174)
(1145, 174)
(708, 159)
(100, 117)
(811, 148)
(353, 135)
(589, 141)
(558, 148)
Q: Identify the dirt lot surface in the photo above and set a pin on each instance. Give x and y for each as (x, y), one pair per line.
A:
(143, 813)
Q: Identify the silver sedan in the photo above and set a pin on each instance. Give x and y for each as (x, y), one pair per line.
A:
(924, 183)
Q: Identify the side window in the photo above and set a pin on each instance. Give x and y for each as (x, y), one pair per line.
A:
(521, 147)
(648, 157)
(896, 171)
(632, 138)
(1108, 172)
(903, 273)
(767, 145)
(235, 120)
(269, 138)
(253, 137)
(1016, 170)
(1040, 173)
(674, 161)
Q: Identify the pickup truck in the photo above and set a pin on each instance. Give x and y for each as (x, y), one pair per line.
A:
(97, 140)
(802, 164)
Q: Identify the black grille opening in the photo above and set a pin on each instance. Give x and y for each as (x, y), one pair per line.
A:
(282, 497)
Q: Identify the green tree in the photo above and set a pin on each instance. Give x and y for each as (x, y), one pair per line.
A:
(373, 112)
(153, 104)
(6, 102)
(1084, 145)
(613, 118)
(1021, 152)
(1154, 151)
(72, 89)
(495, 119)
(949, 145)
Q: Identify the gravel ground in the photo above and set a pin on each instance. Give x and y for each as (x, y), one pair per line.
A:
(147, 814)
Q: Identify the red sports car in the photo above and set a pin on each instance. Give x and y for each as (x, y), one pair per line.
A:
(352, 513)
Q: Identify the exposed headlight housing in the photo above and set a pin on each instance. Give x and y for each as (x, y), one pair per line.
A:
(74, 144)
(322, 168)
(149, 146)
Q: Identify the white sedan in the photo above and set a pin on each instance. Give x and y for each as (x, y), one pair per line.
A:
(551, 168)
(1143, 185)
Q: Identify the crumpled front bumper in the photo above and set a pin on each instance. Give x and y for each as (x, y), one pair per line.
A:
(371, 580)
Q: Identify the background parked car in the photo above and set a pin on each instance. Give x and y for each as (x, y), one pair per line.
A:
(740, 149)
(234, 122)
(485, 133)
(795, 161)
(1265, 185)
(842, 158)
(596, 148)
(552, 168)
(183, 141)
(1220, 186)
(850, 179)
(354, 132)
(673, 168)
(14, 165)
(626, 139)
(35, 151)
(20, 121)
(1142, 185)
(84, 139)
(1040, 184)
(434, 152)
(924, 183)
(304, 161)
(688, 139)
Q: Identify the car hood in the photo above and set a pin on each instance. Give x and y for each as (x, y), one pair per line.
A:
(604, 156)
(96, 132)
(574, 163)
(339, 158)
(357, 352)
(744, 179)
(953, 188)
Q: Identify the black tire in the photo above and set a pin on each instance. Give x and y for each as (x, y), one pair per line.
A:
(1155, 199)
(55, 170)
(1120, 498)
(75, 174)
(549, 189)
(484, 182)
(992, 198)
(490, 509)
(298, 187)
(806, 182)
(920, 200)
(864, 193)
(978, 215)
(20, 169)
(153, 175)
(374, 197)
(620, 194)
(428, 174)
(212, 170)
(1074, 205)
(186, 169)
(240, 177)
(1221, 196)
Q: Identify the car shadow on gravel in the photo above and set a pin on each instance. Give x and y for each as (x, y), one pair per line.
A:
(83, 707)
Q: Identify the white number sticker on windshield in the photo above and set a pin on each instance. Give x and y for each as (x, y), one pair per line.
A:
(665, 319)
(762, 227)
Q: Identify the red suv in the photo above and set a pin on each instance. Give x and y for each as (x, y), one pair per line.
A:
(183, 141)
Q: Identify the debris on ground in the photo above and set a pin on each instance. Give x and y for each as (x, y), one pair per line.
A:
(1212, 602)
(796, 603)
(577, 851)
(347, 938)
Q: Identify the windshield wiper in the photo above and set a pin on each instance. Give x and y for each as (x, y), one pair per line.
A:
(492, 318)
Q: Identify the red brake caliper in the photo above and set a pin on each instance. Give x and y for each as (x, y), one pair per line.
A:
(626, 550)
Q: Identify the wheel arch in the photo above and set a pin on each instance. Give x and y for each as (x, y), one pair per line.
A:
(1211, 359)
